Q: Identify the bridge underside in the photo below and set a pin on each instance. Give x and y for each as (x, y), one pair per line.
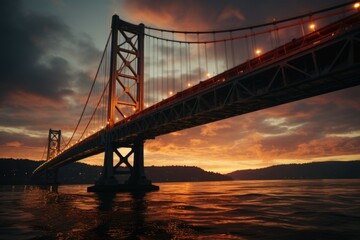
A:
(321, 68)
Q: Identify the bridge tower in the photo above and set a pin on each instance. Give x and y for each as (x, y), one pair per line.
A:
(53, 143)
(126, 97)
(54, 140)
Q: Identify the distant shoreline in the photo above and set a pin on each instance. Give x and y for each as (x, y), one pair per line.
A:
(18, 172)
(307, 171)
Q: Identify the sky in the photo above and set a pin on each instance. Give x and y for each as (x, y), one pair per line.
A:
(50, 50)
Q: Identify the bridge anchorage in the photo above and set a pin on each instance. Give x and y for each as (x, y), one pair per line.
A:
(126, 90)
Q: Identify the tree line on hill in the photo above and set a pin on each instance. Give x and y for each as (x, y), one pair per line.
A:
(18, 171)
(314, 170)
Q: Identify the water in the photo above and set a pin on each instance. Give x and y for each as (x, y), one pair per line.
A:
(289, 209)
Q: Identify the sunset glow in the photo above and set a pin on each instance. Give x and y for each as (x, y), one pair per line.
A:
(59, 57)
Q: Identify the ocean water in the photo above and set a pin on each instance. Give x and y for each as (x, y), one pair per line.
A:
(284, 209)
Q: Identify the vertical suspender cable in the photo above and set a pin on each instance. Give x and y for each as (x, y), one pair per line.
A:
(226, 55)
(206, 60)
(147, 90)
(173, 63)
(215, 55)
(153, 94)
(189, 63)
(186, 61)
(247, 48)
(167, 66)
(181, 70)
(198, 52)
(162, 67)
(253, 41)
(232, 49)
(157, 70)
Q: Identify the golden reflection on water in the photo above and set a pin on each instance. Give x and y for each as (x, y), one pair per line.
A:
(206, 210)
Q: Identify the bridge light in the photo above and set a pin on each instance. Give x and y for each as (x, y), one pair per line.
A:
(146, 105)
(312, 27)
(134, 109)
(356, 5)
(170, 93)
(208, 75)
(258, 52)
(189, 84)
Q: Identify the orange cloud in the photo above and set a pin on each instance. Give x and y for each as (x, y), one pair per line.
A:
(229, 12)
(180, 15)
(213, 129)
(15, 144)
(29, 100)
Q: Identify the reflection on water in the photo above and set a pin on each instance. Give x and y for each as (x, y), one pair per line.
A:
(308, 209)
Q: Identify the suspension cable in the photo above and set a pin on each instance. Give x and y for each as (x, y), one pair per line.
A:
(253, 33)
(45, 148)
(97, 105)
(254, 26)
(91, 89)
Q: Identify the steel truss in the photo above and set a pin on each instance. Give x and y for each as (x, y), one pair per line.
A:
(323, 68)
(125, 91)
(54, 141)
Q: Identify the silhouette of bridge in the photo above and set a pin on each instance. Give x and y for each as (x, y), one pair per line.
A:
(154, 81)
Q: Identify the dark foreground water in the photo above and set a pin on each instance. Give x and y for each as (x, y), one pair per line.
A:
(307, 209)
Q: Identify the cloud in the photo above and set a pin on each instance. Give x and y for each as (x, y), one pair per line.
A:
(45, 76)
(15, 144)
(23, 47)
(213, 129)
(229, 13)
(186, 15)
(36, 54)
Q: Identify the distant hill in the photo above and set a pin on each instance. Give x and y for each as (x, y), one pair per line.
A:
(18, 171)
(316, 170)
(182, 174)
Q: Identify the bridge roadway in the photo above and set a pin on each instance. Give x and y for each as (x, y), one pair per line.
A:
(318, 63)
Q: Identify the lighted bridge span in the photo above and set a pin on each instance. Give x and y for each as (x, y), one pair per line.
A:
(320, 62)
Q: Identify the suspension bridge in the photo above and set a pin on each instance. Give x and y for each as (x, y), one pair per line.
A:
(153, 81)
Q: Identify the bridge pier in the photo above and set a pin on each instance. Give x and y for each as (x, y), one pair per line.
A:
(137, 176)
(137, 180)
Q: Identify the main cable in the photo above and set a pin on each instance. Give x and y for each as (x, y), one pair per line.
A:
(254, 26)
(91, 89)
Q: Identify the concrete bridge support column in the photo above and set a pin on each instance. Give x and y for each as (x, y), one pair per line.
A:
(137, 176)
(107, 177)
(137, 180)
